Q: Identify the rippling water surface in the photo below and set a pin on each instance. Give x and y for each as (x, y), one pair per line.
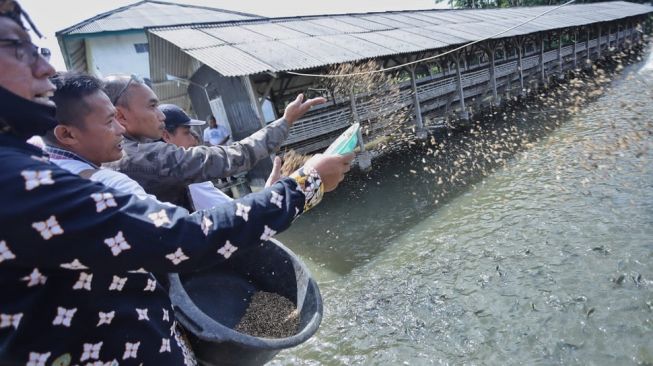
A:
(547, 260)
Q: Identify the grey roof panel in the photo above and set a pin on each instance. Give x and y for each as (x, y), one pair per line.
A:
(280, 55)
(448, 30)
(520, 30)
(480, 30)
(446, 38)
(358, 45)
(319, 49)
(422, 17)
(409, 20)
(188, 38)
(222, 58)
(452, 17)
(431, 19)
(153, 14)
(390, 21)
(310, 28)
(362, 22)
(343, 24)
(386, 39)
(236, 35)
(412, 36)
(274, 30)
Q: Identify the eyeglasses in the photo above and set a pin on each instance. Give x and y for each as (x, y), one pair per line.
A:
(133, 77)
(27, 51)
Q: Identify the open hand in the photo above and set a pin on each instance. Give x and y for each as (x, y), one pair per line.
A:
(299, 107)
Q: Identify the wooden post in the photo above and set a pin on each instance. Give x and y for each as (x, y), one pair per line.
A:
(247, 81)
(560, 55)
(633, 33)
(364, 157)
(588, 54)
(419, 123)
(520, 66)
(461, 93)
(542, 59)
(575, 48)
(598, 46)
(490, 50)
(354, 111)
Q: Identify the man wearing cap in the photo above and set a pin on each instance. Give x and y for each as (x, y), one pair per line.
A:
(76, 256)
(178, 132)
(178, 126)
(165, 170)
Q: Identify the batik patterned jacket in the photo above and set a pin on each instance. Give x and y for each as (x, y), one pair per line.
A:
(76, 257)
(166, 170)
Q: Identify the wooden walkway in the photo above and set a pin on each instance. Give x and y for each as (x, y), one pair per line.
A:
(454, 95)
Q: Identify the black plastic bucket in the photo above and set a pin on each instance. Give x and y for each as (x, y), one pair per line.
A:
(209, 304)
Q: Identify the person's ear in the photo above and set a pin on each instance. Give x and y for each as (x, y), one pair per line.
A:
(66, 135)
(121, 117)
(166, 136)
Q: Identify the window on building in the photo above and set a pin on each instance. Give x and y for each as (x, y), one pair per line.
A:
(142, 47)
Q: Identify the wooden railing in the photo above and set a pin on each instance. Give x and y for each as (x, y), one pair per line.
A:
(433, 92)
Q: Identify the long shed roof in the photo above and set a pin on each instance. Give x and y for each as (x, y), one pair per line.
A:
(280, 44)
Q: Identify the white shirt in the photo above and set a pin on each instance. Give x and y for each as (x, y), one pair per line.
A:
(206, 195)
(108, 177)
(214, 136)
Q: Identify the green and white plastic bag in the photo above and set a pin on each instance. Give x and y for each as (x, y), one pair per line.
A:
(346, 142)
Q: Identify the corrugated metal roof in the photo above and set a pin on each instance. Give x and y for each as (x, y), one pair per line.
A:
(356, 44)
(236, 35)
(309, 28)
(271, 45)
(153, 14)
(223, 58)
(363, 22)
(191, 38)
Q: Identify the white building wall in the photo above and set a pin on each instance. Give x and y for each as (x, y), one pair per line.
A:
(116, 54)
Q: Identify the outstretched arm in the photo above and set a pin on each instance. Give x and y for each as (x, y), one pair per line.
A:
(59, 220)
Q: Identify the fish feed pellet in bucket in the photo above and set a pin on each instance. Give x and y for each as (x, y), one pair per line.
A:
(269, 315)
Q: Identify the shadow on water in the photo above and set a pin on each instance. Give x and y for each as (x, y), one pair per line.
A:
(411, 183)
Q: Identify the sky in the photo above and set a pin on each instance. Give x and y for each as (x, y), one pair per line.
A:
(52, 16)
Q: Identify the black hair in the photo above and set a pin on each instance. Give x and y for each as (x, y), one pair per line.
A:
(72, 88)
(172, 129)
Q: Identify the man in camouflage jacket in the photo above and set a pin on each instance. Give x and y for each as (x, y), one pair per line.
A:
(165, 170)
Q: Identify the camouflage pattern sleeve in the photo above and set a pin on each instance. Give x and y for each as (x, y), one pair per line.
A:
(165, 170)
